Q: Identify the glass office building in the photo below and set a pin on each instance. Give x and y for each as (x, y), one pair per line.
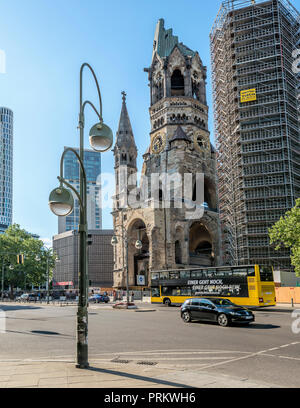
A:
(6, 168)
(92, 163)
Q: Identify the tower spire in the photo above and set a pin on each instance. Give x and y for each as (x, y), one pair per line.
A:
(125, 136)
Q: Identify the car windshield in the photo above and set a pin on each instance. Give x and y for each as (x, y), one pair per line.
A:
(222, 302)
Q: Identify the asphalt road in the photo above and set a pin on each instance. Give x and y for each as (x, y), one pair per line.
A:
(266, 351)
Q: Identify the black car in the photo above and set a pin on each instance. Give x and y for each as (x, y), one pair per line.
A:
(217, 310)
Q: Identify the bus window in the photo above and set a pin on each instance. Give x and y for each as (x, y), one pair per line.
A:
(164, 275)
(169, 291)
(240, 272)
(211, 273)
(186, 291)
(176, 291)
(185, 274)
(166, 291)
(198, 274)
(174, 275)
(155, 292)
(251, 271)
(266, 274)
(223, 272)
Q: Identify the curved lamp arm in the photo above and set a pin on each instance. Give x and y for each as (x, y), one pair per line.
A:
(62, 180)
(93, 106)
(70, 149)
(82, 105)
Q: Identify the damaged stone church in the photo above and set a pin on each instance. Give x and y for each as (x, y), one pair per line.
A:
(173, 236)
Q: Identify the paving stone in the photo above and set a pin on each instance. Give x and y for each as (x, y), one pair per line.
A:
(54, 374)
(86, 379)
(56, 380)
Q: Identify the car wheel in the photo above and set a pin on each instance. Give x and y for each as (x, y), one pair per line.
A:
(186, 317)
(223, 320)
(167, 302)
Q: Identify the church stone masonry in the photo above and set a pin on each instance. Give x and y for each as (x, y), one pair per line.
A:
(179, 143)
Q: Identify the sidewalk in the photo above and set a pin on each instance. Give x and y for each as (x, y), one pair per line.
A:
(59, 374)
(288, 305)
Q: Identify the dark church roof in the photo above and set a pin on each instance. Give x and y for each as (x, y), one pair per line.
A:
(180, 135)
(165, 41)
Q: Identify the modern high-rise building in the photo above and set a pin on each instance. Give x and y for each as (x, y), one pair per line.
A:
(92, 164)
(100, 259)
(6, 168)
(256, 124)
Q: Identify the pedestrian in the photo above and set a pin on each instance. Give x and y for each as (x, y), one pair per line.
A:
(132, 297)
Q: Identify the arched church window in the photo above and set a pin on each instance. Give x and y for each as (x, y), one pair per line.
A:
(196, 90)
(177, 83)
(178, 254)
(124, 157)
(160, 89)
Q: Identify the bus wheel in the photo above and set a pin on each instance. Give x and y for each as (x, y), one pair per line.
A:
(167, 302)
(223, 320)
(186, 317)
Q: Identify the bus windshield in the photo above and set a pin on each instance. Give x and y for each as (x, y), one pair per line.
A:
(266, 274)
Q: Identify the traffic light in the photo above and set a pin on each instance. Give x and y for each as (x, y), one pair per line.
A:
(89, 239)
(20, 259)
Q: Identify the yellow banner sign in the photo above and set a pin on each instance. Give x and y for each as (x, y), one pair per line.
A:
(248, 95)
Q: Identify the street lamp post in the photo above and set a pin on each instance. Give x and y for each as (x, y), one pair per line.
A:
(61, 203)
(2, 290)
(47, 281)
(37, 258)
(3, 271)
(138, 245)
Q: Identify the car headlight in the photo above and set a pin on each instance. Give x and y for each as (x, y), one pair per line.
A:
(234, 313)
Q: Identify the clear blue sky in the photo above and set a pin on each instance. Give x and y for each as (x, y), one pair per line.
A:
(45, 42)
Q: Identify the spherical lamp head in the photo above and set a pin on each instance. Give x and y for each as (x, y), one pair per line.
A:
(114, 240)
(101, 137)
(61, 202)
(138, 244)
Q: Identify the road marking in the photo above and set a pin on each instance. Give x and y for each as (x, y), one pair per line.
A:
(169, 358)
(149, 355)
(172, 352)
(141, 353)
(242, 358)
(287, 357)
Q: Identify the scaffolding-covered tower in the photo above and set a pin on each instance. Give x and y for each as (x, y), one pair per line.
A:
(256, 124)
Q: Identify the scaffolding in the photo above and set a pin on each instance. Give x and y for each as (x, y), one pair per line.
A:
(258, 153)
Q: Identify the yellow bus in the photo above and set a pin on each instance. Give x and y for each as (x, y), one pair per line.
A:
(242, 285)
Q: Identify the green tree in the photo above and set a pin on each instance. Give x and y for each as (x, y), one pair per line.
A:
(18, 241)
(286, 233)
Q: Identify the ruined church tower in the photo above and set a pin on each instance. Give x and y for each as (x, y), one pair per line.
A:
(177, 231)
